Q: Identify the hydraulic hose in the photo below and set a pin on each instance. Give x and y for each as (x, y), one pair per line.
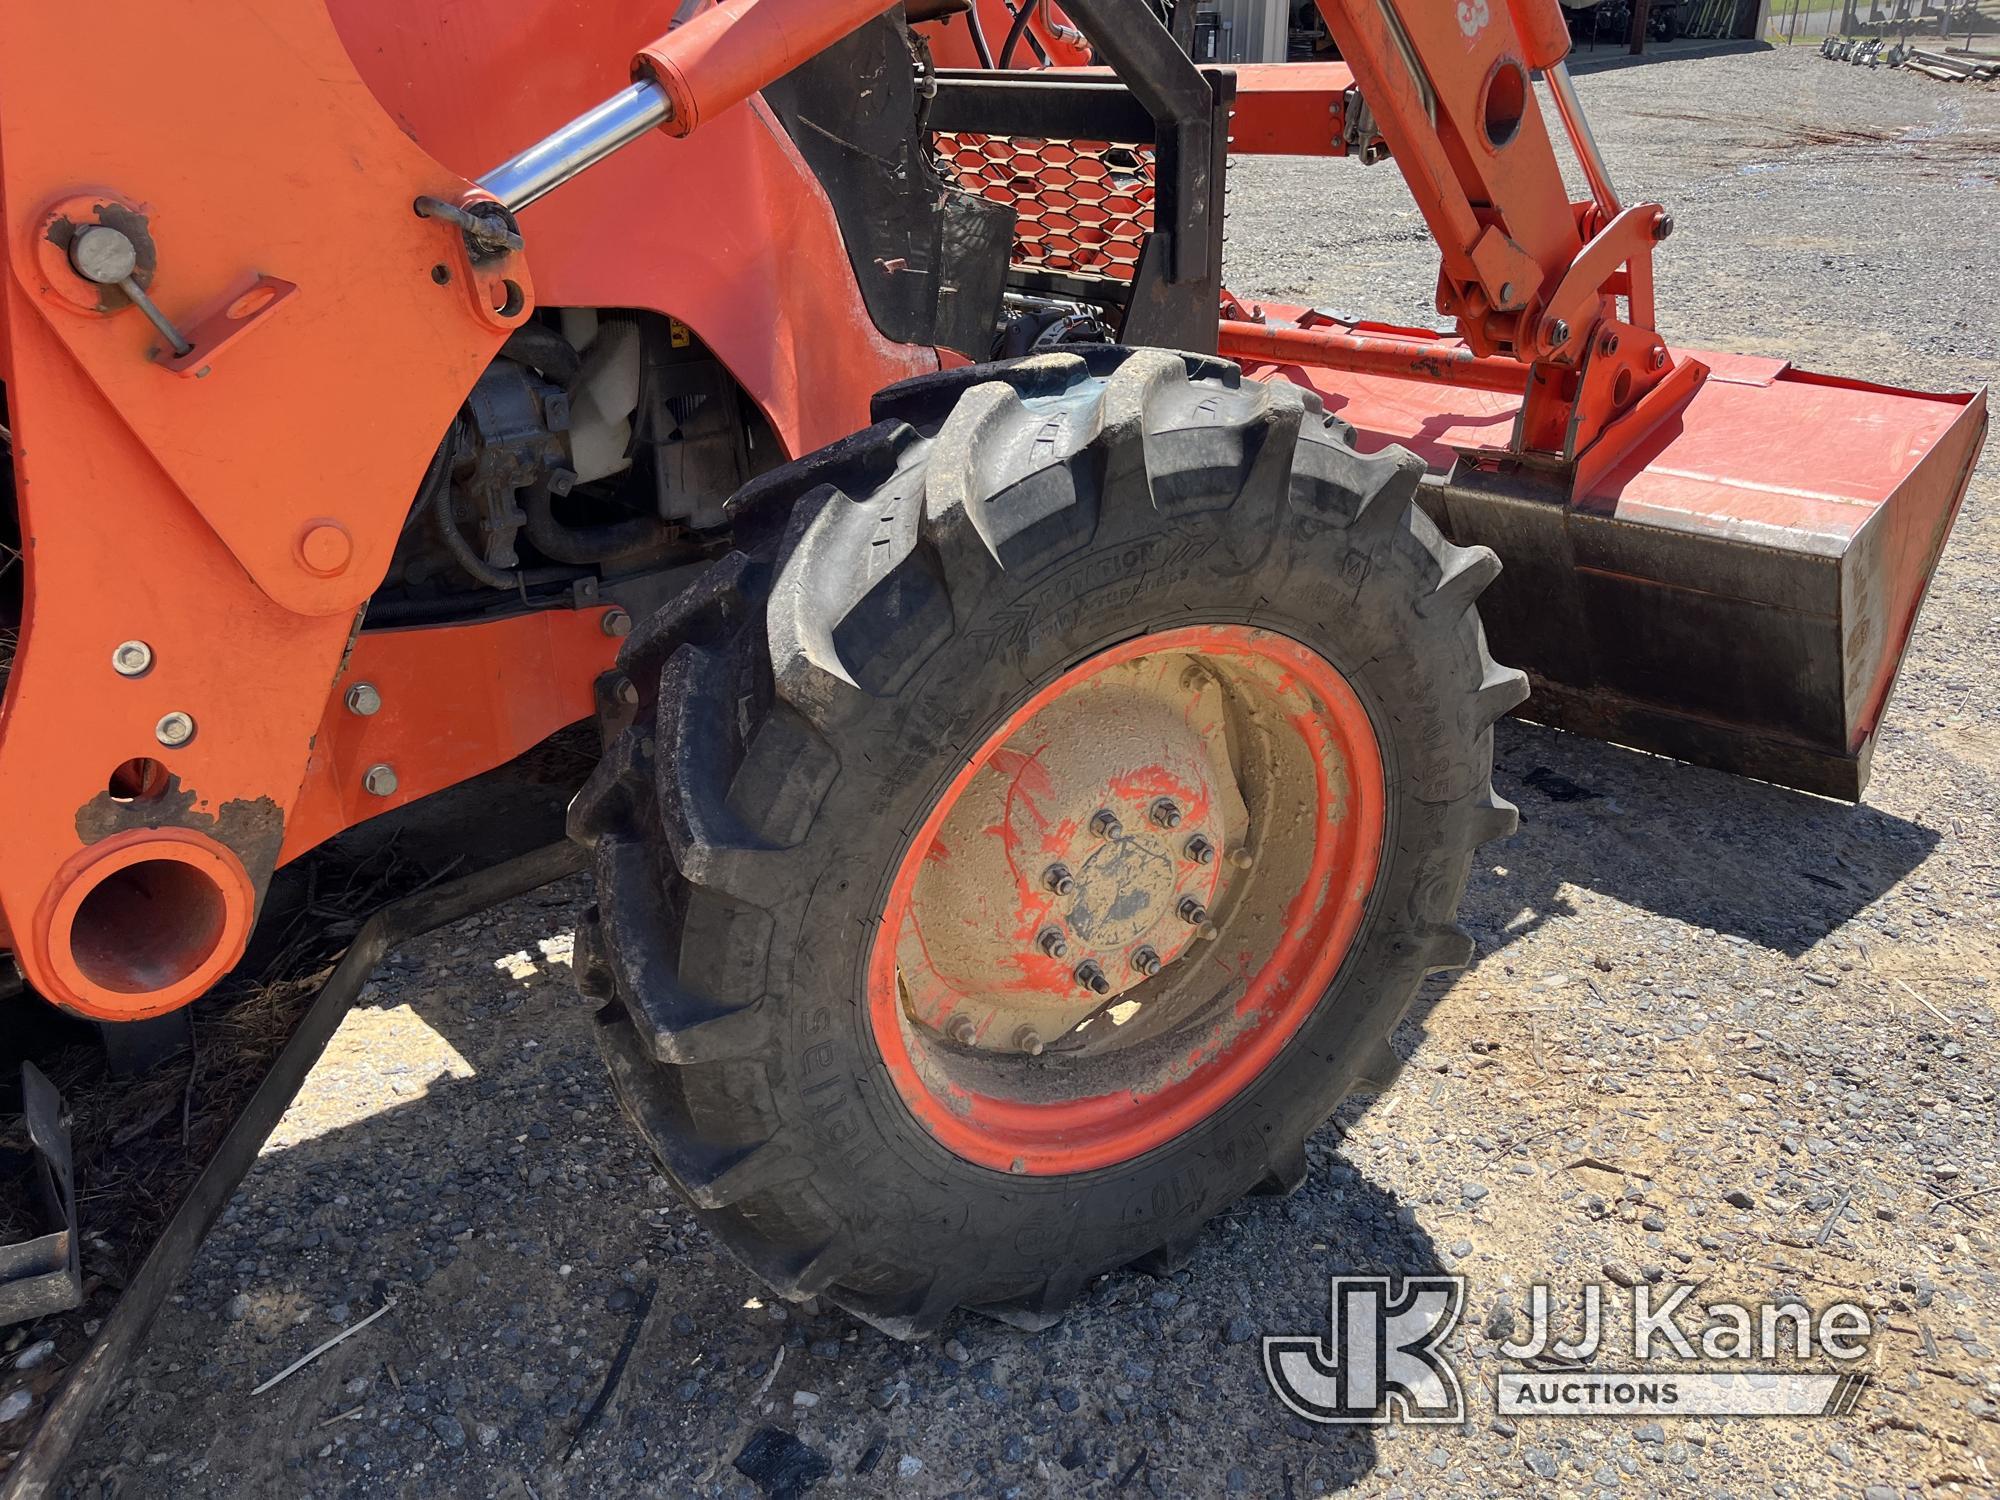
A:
(1018, 30)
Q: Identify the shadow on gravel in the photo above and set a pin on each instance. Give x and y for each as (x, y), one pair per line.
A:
(1777, 868)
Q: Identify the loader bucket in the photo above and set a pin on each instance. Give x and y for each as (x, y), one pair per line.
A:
(1737, 591)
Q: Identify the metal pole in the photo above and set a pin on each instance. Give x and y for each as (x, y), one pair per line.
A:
(585, 141)
(1571, 109)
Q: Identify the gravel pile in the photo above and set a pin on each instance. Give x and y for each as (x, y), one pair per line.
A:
(1716, 1031)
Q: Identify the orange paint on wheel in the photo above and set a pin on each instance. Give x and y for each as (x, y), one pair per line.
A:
(1318, 924)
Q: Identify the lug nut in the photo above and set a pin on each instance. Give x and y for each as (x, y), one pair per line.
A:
(174, 730)
(1193, 912)
(1058, 879)
(1105, 824)
(1166, 814)
(1200, 850)
(1147, 962)
(1052, 942)
(132, 659)
(1243, 859)
(380, 780)
(1091, 977)
(1028, 1041)
(961, 1030)
(363, 699)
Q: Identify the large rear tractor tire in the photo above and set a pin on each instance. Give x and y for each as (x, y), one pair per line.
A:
(1035, 828)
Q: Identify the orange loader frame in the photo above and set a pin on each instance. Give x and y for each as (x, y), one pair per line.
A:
(203, 531)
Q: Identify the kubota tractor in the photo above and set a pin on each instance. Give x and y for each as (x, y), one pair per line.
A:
(1047, 720)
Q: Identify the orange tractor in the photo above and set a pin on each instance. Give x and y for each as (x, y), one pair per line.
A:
(1047, 721)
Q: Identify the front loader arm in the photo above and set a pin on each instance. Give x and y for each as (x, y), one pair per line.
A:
(1526, 273)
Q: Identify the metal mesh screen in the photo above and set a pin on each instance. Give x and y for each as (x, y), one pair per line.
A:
(1083, 208)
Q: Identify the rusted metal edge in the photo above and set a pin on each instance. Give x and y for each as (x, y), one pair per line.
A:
(39, 1465)
(41, 1275)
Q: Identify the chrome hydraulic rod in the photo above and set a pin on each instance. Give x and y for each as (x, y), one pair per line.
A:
(1571, 109)
(692, 74)
(585, 141)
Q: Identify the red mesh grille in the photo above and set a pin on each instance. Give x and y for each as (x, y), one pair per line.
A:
(1083, 208)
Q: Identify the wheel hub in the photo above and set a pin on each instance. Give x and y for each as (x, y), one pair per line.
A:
(1079, 957)
(1082, 860)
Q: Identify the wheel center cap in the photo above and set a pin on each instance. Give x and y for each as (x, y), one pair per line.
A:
(1081, 860)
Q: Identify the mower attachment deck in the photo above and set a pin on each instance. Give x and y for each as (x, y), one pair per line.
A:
(1737, 591)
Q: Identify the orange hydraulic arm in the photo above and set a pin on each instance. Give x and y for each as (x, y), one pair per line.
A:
(1527, 275)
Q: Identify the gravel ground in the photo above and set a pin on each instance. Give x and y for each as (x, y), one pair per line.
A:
(1716, 1032)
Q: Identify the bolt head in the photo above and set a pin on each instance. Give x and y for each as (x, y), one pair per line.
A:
(103, 254)
(1058, 879)
(1028, 1041)
(1053, 943)
(364, 699)
(1658, 359)
(616, 623)
(1200, 850)
(380, 780)
(132, 658)
(1166, 814)
(1147, 962)
(627, 692)
(1193, 912)
(1558, 332)
(1105, 824)
(961, 1030)
(325, 548)
(1663, 226)
(174, 730)
(1091, 977)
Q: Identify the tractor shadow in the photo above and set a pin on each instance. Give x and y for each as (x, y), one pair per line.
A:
(1704, 849)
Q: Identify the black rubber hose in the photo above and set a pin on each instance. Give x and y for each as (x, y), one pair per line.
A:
(979, 36)
(1019, 29)
(608, 542)
(541, 348)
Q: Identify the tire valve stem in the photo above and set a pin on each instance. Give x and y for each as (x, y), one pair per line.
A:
(961, 1030)
(1166, 814)
(1029, 1041)
(1058, 879)
(1193, 912)
(1200, 850)
(1053, 943)
(1091, 977)
(1104, 823)
(1147, 962)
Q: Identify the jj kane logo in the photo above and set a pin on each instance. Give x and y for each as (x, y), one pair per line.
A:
(1382, 1358)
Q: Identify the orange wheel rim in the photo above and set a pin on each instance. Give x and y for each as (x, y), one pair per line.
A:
(1073, 838)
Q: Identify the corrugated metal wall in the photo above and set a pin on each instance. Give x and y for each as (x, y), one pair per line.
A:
(1253, 30)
